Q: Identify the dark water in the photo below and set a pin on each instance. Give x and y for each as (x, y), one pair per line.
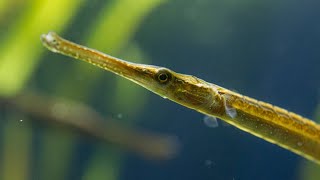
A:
(268, 50)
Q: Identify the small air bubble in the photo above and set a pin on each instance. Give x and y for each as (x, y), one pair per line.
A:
(300, 143)
(119, 116)
(210, 121)
(208, 162)
(21, 120)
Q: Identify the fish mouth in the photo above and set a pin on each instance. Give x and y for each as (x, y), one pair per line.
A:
(50, 41)
(141, 74)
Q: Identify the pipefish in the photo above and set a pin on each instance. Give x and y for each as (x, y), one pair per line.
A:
(273, 124)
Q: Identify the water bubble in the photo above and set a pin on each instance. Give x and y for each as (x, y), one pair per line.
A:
(208, 162)
(210, 121)
(299, 143)
(119, 116)
(21, 120)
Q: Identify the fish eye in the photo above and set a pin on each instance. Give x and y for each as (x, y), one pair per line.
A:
(163, 76)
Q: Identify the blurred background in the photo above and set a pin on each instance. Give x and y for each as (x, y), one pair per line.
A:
(99, 126)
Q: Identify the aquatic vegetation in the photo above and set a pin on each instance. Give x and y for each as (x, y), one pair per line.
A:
(20, 56)
(20, 40)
